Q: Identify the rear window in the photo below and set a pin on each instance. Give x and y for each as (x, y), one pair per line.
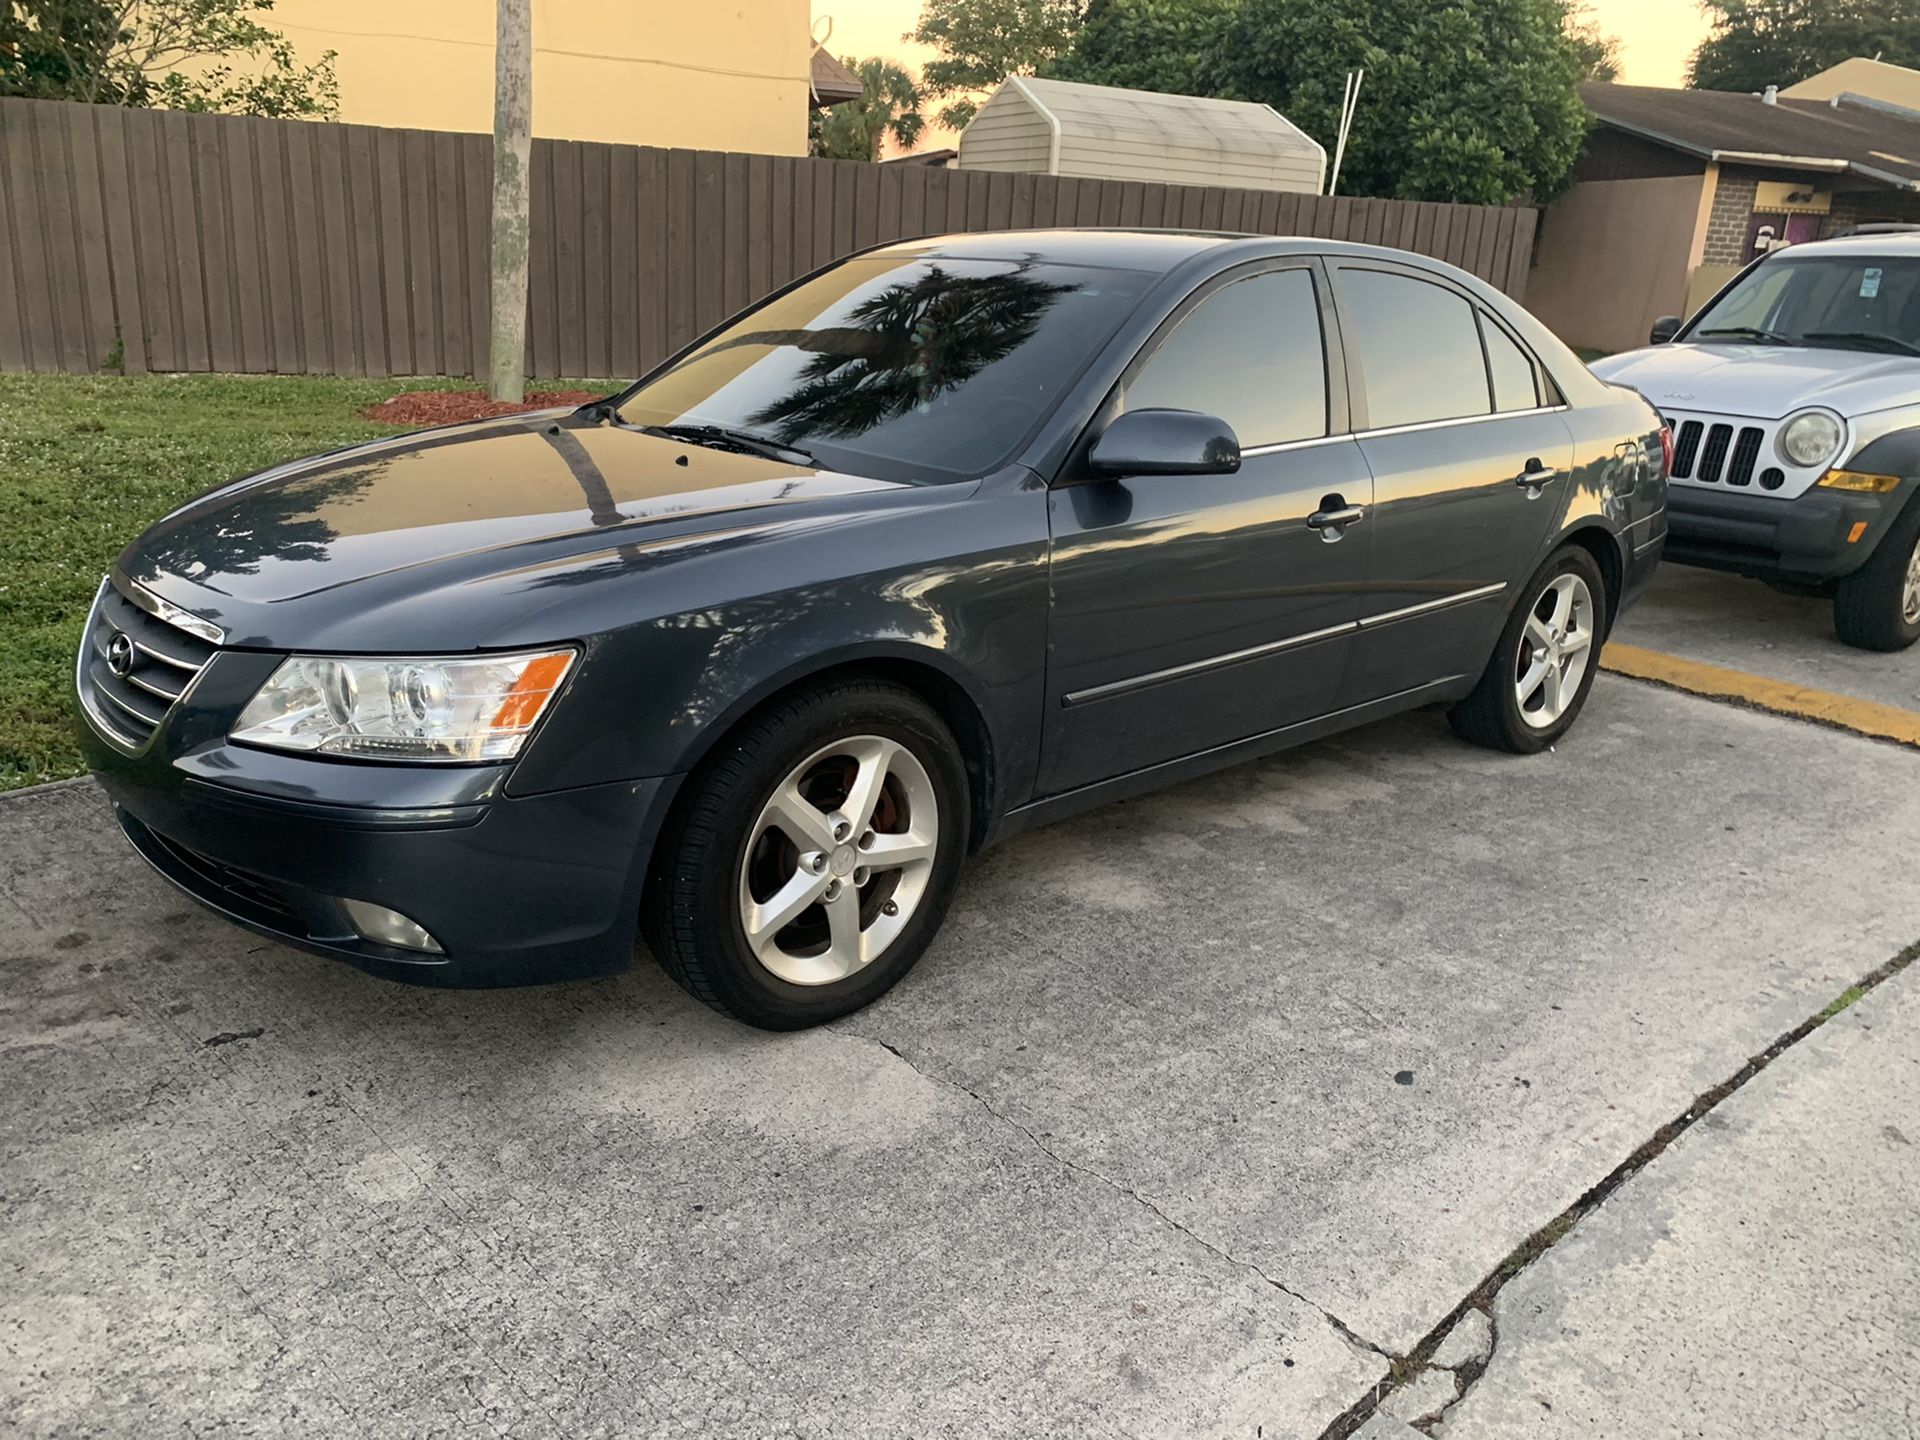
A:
(907, 367)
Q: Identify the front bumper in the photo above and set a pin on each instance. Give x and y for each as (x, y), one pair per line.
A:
(516, 889)
(1810, 539)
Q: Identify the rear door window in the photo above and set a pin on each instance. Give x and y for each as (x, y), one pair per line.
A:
(1419, 349)
(1515, 385)
(1252, 354)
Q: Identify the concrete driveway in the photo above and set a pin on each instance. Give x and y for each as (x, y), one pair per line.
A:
(1205, 1114)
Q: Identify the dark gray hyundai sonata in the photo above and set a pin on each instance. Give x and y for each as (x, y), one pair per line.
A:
(948, 539)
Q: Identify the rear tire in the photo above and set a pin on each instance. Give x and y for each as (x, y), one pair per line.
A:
(811, 863)
(1535, 685)
(1878, 606)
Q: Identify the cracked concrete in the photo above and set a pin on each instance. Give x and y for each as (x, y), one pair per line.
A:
(1074, 1177)
(1340, 1327)
(1755, 1278)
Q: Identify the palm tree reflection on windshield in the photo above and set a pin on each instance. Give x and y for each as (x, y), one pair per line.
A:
(902, 349)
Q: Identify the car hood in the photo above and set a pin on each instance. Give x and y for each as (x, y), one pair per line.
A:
(401, 533)
(1764, 382)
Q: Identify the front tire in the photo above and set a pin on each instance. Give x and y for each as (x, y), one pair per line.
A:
(1878, 606)
(811, 864)
(1535, 685)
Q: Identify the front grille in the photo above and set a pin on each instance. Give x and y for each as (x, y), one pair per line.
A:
(129, 688)
(1714, 453)
(1685, 446)
(1746, 450)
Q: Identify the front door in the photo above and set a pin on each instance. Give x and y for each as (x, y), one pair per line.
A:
(1193, 611)
(1470, 471)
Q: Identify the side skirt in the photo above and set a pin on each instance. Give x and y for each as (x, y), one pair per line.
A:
(1170, 772)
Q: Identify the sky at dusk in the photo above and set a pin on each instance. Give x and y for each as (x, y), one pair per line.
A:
(1656, 36)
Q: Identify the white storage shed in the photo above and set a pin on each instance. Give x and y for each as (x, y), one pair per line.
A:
(1057, 127)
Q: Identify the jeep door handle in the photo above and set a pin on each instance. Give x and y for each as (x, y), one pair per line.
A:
(1535, 475)
(1335, 520)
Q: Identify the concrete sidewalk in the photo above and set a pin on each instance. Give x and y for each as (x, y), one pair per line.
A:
(1202, 1108)
(1761, 1277)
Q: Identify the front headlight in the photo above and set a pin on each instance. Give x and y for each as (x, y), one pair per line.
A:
(1810, 439)
(470, 708)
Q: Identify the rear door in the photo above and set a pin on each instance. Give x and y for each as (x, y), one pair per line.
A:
(1190, 611)
(1470, 457)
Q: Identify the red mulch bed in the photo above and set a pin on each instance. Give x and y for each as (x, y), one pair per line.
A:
(418, 409)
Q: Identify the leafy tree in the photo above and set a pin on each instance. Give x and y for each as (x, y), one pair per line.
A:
(1599, 52)
(1164, 45)
(982, 42)
(1752, 44)
(889, 105)
(1466, 100)
(172, 54)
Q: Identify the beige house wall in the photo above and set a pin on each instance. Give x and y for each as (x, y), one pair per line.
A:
(1615, 255)
(709, 77)
(1874, 79)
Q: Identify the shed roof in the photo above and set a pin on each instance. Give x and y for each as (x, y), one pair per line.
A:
(833, 83)
(1847, 137)
(1109, 113)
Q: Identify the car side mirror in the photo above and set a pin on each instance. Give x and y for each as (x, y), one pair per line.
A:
(1165, 442)
(1664, 329)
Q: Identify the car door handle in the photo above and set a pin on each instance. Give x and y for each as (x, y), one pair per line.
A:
(1535, 475)
(1335, 519)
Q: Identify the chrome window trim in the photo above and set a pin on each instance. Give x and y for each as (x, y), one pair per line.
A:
(1426, 607)
(1254, 451)
(1279, 445)
(166, 610)
(1460, 420)
(1211, 662)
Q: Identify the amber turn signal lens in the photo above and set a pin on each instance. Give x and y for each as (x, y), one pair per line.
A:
(1857, 480)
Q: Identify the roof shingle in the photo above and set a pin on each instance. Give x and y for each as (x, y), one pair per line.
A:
(1879, 144)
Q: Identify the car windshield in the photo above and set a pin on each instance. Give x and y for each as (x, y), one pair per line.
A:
(910, 367)
(1867, 302)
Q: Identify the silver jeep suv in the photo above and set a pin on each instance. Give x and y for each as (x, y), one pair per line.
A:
(1793, 397)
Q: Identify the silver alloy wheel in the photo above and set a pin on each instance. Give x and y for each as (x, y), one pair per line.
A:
(839, 860)
(1910, 595)
(1556, 647)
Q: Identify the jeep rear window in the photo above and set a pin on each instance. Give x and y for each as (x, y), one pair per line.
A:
(902, 367)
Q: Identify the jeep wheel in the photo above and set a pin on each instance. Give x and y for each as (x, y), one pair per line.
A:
(1878, 606)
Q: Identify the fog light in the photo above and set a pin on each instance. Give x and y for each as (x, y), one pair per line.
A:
(388, 927)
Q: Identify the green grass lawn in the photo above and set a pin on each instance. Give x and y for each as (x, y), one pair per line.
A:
(86, 464)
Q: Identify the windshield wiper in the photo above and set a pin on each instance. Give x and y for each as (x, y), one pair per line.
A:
(1746, 332)
(1870, 339)
(721, 437)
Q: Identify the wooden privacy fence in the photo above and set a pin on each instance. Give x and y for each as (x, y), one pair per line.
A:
(150, 240)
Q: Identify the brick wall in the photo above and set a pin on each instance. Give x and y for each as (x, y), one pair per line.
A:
(1730, 216)
(1866, 206)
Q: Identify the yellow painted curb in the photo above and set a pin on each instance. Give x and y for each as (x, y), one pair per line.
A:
(1863, 717)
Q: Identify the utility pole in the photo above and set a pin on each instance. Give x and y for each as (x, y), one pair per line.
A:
(512, 155)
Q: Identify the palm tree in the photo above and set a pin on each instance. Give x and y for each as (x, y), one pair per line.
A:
(889, 105)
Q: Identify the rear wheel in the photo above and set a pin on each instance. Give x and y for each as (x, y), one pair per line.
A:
(812, 864)
(1878, 606)
(1537, 681)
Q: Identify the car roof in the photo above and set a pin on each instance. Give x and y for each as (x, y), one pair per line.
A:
(1156, 251)
(1884, 242)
